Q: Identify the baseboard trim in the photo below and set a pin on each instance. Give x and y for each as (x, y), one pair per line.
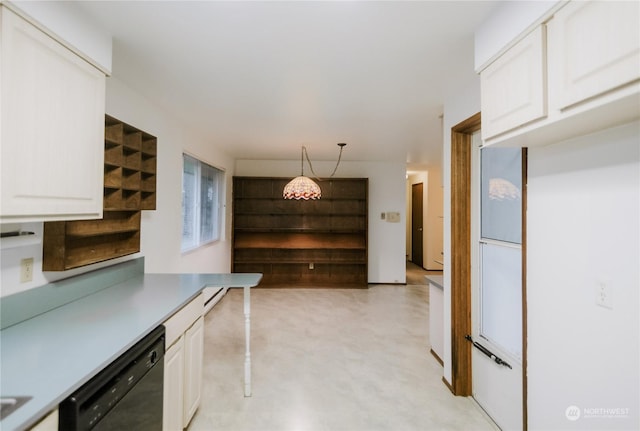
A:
(448, 385)
(435, 355)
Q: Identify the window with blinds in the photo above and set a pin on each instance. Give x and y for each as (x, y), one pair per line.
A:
(202, 195)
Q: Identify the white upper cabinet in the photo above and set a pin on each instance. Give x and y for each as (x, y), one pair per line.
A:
(52, 105)
(596, 48)
(582, 77)
(513, 88)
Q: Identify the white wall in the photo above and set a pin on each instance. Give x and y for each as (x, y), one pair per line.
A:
(162, 228)
(387, 192)
(584, 229)
(433, 234)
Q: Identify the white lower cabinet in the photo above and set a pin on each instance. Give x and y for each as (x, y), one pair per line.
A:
(194, 350)
(173, 386)
(183, 365)
(48, 423)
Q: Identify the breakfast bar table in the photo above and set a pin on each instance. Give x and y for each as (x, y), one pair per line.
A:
(246, 282)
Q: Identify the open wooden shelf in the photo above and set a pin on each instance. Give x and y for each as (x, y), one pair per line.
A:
(129, 187)
(301, 243)
(130, 167)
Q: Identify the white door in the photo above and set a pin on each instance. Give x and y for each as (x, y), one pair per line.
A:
(497, 306)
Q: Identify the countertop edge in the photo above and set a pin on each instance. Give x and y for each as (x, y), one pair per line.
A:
(436, 280)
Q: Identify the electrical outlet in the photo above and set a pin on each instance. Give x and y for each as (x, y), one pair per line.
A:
(26, 270)
(311, 266)
(604, 295)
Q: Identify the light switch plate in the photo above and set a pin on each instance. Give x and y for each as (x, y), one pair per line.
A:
(393, 217)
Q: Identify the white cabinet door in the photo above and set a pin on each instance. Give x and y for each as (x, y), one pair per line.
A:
(513, 87)
(596, 48)
(48, 423)
(173, 400)
(52, 106)
(194, 350)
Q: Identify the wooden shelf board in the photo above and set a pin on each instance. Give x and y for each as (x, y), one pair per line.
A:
(88, 261)
(301, 214)
(294, 243)
(303, 262)
(241, 230)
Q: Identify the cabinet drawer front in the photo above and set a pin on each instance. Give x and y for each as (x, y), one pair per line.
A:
(178, 324)
(513, 88)
(596, 48)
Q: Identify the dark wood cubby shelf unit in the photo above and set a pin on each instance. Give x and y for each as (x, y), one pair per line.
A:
(301, 243)
(129, 187)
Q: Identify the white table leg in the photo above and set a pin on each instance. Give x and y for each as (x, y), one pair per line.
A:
(247, 335)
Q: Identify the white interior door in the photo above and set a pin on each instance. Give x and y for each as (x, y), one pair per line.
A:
(497, 283)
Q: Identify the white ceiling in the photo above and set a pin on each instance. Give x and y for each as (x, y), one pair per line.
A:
(260, 79)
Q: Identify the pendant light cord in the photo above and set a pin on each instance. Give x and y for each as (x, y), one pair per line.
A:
(306, 154)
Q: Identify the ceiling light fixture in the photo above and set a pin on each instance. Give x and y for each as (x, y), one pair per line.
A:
(304, 187)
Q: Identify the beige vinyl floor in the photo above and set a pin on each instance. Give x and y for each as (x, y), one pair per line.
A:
(329, 359)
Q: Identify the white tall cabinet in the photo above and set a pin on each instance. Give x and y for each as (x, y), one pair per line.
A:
(52, 105)
(183, 365)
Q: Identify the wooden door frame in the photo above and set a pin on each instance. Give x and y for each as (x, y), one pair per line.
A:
(461, 133)
(461, 375)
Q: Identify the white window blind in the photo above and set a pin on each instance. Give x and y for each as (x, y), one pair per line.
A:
(201, 203)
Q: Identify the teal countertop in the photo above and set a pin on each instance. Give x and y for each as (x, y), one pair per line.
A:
(436, 280)
(50, 355)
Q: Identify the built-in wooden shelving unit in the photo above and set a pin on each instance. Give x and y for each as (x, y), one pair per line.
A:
(129, 187)
(301, 243)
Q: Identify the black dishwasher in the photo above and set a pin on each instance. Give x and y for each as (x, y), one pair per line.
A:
(126, 395)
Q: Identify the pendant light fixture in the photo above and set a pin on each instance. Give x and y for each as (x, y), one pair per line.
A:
(303, 187)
